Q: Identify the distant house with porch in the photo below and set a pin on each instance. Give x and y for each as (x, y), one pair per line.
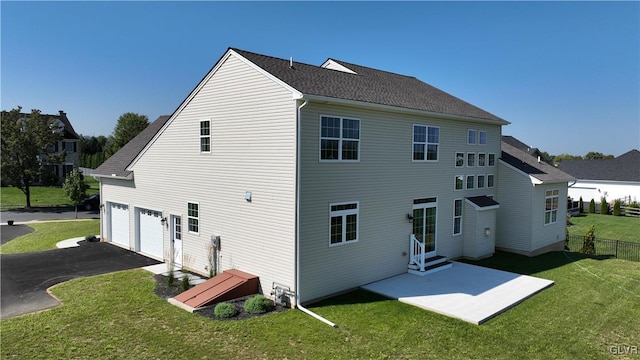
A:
(617, 178)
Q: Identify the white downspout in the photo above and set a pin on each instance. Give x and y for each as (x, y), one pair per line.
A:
(298, 140)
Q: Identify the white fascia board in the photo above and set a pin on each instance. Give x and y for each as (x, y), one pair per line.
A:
(294, 93)
(114, 176)
(334, 65)
(329, 100)
(607, 182)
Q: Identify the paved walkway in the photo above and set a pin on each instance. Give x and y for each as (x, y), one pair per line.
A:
(472, 293)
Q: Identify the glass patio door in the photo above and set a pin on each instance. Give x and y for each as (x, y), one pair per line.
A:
(424, 227)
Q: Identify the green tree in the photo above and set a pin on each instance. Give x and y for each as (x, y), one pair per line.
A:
(581, 205)
(27, 147)
(616, 208)
(594, 155)
(589, 242)
(592, 206)
(75, 187)
(128, 126)
(562, 157)
(604, 207)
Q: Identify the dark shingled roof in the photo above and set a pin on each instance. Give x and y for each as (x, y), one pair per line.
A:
(117, 164)
(625, 167)
(527, 163)
(483, 201)
(367, 85)
(69, 131)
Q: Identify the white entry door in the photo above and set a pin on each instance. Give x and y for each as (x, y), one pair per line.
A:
(176, 240)
(424, 224)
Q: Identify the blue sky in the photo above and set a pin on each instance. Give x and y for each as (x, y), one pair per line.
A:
(565, 74)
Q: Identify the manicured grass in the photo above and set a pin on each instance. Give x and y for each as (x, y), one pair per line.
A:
(41, 196)
(46, 235)
(607, 226)
(594, 304)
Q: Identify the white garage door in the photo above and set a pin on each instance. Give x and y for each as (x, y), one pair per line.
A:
(119, 224)
(151, 233)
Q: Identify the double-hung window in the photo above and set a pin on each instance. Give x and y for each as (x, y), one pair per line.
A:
(492, 160)
(193, 217)
(205, 136)
(339, 139)
(551, 206)
(459, 182)
(490, 180)
(471, 159)
(459, 159)
(471, 137)
(343, 223)
(426, 140)
(470, 181)
(482, 157)
(457, 216)
(481, 181)
(482, 137)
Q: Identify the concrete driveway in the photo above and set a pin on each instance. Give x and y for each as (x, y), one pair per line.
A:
(26, 277)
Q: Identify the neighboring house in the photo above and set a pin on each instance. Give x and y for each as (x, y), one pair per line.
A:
(533, 198)
(70, 142)
(318, 179)
(617, 178)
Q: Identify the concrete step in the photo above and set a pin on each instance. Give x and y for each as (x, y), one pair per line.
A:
(439, 266)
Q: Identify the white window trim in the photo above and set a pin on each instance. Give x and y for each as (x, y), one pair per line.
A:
(484, 181)
(494, 159)
(193, 217)
(461, 215)
(466, 182)
(475, 159)
(344, 214)
(546, 197)
(426, 143)
(478, 159)
(475, 137)
(455, 178)
(340, 139)
(494, 181)
(485, 137)
(464, 159)
(204, 136)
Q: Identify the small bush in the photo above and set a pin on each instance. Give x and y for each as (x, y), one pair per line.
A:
(604, 207)
(91, 238)
(616, 208)
(592, 207)
(171, 278)
(225, 310)
(258, 305)
(185, 284)
(581, 205)
(589, 243)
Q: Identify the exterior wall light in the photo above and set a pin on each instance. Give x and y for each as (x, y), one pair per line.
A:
(163, 221)
(247, 196)
(410, 217)
(487, 232)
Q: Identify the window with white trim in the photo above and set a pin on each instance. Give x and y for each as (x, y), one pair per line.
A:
(343, 223)
(339, 139)
(459, 159)
(471, 137)
(492, 160)
(459, 182)
(471, 159)
(193, 217)
(205, 136)
(482, 137)
(457, 216)
(482, 159)
(481, 179)
(490, 180)
(551, 206)
(470, 181)
(426, 140)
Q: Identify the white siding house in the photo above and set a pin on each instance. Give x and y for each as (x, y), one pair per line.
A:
(314, 178)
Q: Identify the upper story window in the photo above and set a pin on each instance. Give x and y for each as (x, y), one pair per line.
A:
(459, 182)
(482, 157)
(492, 160)
(471, 159)
(482, 137)
(193, 217)
(339, 139)
(471, 137)
(205, 136)
(457, 216)
(426, 140)
(470, 181)
(551, 206)
(343, 222)
(490, 180)
(459, 159)
(70, 146)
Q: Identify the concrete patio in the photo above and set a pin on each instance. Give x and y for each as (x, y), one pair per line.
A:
(471, 293)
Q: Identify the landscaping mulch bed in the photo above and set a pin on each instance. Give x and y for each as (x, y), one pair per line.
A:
(165, 291)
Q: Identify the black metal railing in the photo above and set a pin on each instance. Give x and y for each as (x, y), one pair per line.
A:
(618, 249)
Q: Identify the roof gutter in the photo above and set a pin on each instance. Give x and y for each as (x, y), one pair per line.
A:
(326, 99)
(297, 272)
(114, 176)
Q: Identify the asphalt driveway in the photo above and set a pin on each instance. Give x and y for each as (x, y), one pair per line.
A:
(26, 277)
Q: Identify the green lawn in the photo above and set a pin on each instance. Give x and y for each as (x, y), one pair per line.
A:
(607, 226)
(594, 305)
(46, 235)
(41, 196)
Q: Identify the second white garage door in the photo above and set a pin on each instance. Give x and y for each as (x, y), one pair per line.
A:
(151, 233)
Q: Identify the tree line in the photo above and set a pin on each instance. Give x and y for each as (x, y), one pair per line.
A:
(591, 155)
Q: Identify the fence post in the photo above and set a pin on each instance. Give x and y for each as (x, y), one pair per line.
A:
(617, 242)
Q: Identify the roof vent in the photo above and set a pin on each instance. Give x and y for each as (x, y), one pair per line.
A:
(291, 62)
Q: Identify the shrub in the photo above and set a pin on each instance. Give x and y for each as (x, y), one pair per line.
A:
(171, 278)
(225, 310)
(581, 205)
(258, 305)
(185, 284)
(604, 207)
(592, 207)
(91, 238)
(616, 208)
(589, 243)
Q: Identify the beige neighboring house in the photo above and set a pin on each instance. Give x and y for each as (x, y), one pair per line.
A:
(317, 179)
